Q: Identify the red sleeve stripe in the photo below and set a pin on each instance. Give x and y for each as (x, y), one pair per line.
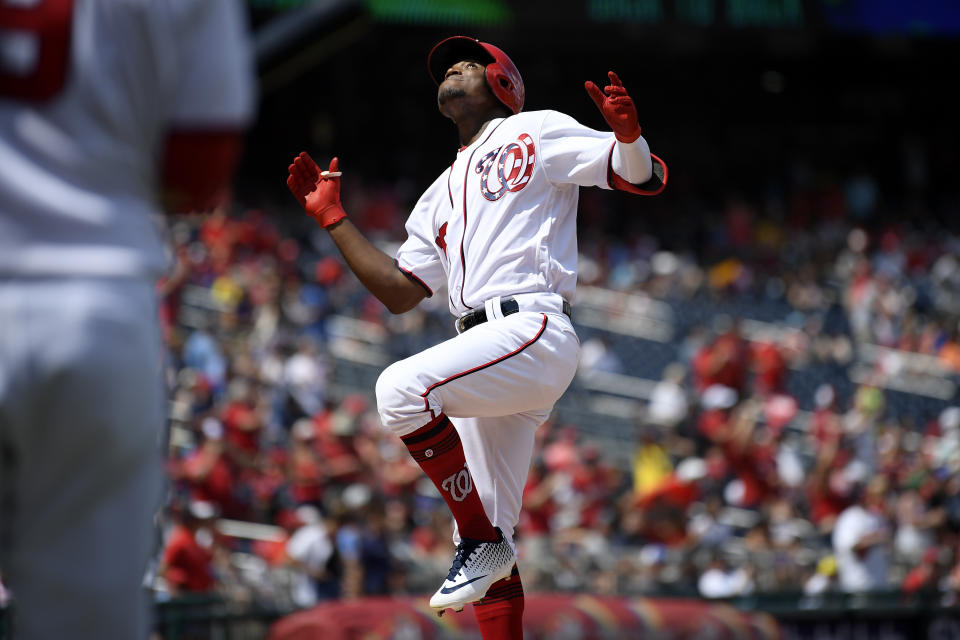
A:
(413, 277)
(481, 367)
(653, 186)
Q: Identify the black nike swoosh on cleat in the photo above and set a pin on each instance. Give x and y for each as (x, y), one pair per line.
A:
(447, 590)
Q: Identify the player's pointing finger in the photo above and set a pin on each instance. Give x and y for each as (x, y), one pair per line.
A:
(614, 79)
(595, 93)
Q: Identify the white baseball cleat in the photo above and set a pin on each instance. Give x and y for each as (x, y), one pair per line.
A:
(476, 566)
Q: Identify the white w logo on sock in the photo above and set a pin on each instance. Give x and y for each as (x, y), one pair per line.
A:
(459, 485)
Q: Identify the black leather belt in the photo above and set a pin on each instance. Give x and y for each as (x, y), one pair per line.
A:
(508, 306)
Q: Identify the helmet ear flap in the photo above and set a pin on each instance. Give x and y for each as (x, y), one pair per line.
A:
(503, 87)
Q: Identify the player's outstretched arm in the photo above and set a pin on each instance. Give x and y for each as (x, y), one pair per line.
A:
(318, 192)
(376, 270)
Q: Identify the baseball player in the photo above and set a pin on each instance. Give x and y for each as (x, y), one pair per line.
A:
(106, 108)
(498, 228)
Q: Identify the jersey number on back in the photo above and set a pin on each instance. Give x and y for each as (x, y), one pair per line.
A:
(34, 47)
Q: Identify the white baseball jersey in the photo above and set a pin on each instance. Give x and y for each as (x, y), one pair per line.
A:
(79, 184)
(501, 219)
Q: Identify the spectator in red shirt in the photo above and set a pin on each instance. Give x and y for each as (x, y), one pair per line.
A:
(926, 575)
(595, 480)
(217, 235)
(335, 442)
(664, 511)
(188, 555)
(750, 449)
(769, 369)
(243, 422)
(717, 403)
(827, 488)
(825, 424)
(306, 472)
(206, 470)
(724, 360)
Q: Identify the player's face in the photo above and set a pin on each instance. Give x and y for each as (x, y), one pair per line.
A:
(464, 85)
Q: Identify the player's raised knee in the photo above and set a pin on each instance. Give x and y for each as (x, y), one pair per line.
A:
(394, 397)
(387, 392)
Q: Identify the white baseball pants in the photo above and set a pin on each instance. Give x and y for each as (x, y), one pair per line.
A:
(81, 415)
(497, 382)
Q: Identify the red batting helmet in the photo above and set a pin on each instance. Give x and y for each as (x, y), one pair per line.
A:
(502, 75)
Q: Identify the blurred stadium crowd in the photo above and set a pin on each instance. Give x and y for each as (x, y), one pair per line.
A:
(796, 434)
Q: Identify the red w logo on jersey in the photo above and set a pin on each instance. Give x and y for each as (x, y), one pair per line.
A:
(441, 238)
(514, 166)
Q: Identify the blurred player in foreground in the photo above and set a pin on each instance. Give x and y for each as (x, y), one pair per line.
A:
(498, 229)
(106, 109)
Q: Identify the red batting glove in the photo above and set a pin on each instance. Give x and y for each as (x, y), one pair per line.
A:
(617, 108)
(319, 195)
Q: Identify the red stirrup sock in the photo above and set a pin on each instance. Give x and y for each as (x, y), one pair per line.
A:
(437, 449)
(500, 613)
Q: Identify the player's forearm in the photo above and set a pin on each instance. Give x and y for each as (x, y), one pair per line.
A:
(631, 161)
(375, 269)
